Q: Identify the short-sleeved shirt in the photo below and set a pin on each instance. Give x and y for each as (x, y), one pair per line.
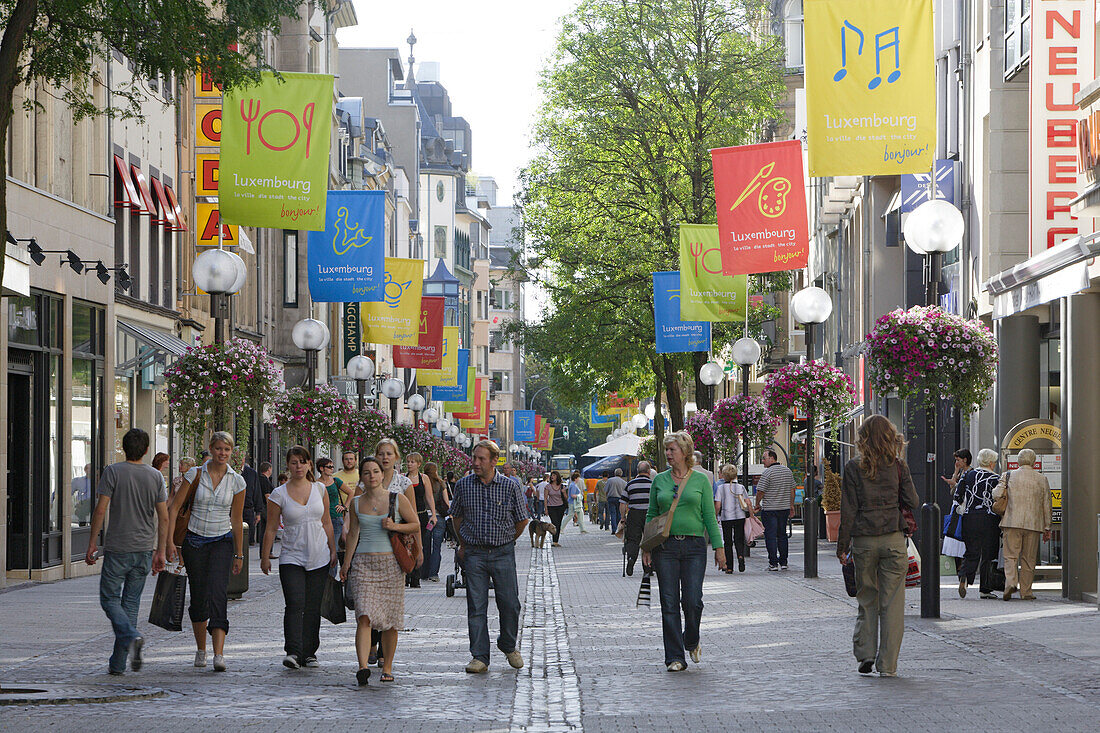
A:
(210, 507)
(728, 502)
(489, 512)
(540, 489)
(616, 488)
(135, 490)
(775, 484)
(350, 479)
(304, 542)
(399, 483)
(636, 495)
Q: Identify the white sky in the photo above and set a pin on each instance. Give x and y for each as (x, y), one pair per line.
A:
(489, 53)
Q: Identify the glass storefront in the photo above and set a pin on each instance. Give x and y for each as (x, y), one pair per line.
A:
(86, 442)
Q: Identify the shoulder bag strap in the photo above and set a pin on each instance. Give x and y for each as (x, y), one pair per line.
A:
(191, 489)
(675, 501)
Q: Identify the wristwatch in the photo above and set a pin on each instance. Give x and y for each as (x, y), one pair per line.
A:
(238, 557)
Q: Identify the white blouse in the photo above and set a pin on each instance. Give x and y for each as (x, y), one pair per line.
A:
(304, 541)
(210, 507)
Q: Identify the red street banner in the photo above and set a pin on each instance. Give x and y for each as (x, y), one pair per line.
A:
(760, 194)
(543, 442)
(476, 401)
(539, 422)
(428, 352)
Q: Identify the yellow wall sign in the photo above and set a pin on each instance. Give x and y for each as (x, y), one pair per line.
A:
(206, 230)
(396, 319)
(208, 125)
(871, 89)
(1030, 430)
(206, 174)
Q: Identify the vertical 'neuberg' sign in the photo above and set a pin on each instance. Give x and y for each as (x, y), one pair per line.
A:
(1063, 35)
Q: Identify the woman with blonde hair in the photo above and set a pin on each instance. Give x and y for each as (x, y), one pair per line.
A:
(876, 487)
(1026, 517)
(214, 545)
(681, 560)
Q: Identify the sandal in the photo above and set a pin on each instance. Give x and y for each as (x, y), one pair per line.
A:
(386, 677)
(362, 676)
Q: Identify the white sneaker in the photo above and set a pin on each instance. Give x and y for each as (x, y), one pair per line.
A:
(290, 662)
(219, 663)
(677, 666)
(200, 658)
(697, 654)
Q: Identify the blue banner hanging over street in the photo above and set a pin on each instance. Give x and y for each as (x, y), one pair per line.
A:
(346, 261)
(915, 188)
(674, 335)
(525, 426)
(457, 393)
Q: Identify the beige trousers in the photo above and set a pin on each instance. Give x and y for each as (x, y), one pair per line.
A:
(881, 565)
(1021, 547)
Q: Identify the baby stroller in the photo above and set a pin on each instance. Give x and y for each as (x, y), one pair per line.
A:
(456, 579)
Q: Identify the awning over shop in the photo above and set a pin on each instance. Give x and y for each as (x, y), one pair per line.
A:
(1056, 273)
(158, 342)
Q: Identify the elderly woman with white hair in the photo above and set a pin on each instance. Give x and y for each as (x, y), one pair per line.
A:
(974, 501)
(1026, 517)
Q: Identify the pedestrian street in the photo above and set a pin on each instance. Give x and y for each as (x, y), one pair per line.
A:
(776, 656)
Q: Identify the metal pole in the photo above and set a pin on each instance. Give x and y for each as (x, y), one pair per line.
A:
(809, 513)
(393, 410)
(361, 388)
(745, 432)
(311, 366)
(930, 511)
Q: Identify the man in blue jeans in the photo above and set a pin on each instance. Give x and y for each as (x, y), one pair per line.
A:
(775, 505)
(489, 513)
(137, 497)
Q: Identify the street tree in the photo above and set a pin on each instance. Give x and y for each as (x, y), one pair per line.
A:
(636, 95)
(64, 45)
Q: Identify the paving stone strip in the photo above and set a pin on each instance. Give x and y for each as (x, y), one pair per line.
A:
(548, 697)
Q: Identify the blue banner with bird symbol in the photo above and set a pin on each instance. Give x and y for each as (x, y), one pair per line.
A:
(346, 262)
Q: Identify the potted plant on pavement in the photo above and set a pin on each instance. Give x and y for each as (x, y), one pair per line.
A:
(830, 502)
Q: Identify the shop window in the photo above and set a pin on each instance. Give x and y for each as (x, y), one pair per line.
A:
(23, 320)
(502, 381)
(54, 457)
(1017, 35)
(793, 34)
(290, 269)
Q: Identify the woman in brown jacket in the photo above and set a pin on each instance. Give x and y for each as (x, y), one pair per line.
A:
(1026, 517)
(876, 485)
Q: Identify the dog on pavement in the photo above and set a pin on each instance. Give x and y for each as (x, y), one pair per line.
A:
(538, 530)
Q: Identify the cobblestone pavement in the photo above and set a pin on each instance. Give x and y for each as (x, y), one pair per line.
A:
(776, 656)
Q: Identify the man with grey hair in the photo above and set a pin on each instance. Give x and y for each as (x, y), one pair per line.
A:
(634, 503)
(703, 469)
(615, 488)
(980, 524)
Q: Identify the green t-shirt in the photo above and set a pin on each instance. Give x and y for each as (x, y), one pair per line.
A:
(601, 490)
(334, 497)
(695, 511)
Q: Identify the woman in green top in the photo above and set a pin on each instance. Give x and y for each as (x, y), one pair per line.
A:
(681, 561)
(337, 496)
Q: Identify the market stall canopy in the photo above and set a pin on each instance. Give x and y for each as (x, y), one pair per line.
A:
(627, 445)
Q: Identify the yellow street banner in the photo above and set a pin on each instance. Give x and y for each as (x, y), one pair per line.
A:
(871, 89)
(468, 405)
(447, 375)
(275, 145)
(705, 293)
(396, 319)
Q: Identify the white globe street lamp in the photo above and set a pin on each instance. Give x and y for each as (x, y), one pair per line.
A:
(711, 373)
(393, 388)
(310, 335)
(416, 403)
(431, 415)
(746, 352)
(453, 431)
(934, 226)
(361, 369)
(640, 421)
(219, 273)
(811, 305)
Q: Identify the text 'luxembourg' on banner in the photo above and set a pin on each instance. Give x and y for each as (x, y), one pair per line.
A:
(705, 293)
(274, 148)
(525, 426)
(347, 261)
(871, 89)
(760, 196)
(447, 374)
(396, 318)
(427, 353)
(458, 392)
(464, 401)
(673, 334)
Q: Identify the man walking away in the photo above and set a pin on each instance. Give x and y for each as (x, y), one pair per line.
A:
(701, 468)
(775, 496)
(138, 500)
(489, 512)
(255, 503)
(634, 503)
(601, 501)
(616, 488)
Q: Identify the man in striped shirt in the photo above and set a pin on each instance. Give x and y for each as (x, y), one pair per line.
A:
(634, 504)
(775, 495)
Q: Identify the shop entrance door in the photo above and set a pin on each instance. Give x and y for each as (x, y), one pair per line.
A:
(20, 471)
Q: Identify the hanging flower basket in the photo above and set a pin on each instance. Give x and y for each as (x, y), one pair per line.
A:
(319, 416)
(793, 387)
(215, 382)
(648, 449)
(925, 354)
(701, 430)
(365, 429)
(733, 415)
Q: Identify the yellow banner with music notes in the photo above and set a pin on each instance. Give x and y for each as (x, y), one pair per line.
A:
(871, 87)
(705, 293)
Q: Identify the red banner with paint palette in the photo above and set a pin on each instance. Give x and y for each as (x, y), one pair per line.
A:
(760, 194)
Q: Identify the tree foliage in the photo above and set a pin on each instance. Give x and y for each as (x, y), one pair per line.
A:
(636, 95)
(63, 44)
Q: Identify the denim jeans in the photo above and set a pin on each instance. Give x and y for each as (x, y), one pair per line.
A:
(613, 514)
(121, 582)
(433, 552)
(479, 565)
(680, 564)
(302, 592)
(775, 534)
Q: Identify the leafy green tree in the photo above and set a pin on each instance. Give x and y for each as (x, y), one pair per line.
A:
(636, 95)
(63, 44)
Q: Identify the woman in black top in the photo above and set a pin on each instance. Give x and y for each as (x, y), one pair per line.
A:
(425, 510)
(442, 499)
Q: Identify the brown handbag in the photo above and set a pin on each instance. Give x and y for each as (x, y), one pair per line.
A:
(183, 516)
(1000, 504)
(404, 546)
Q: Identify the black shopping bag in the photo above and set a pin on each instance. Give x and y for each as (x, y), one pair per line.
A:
(850, 578)
(332, 601)
(166, 610)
